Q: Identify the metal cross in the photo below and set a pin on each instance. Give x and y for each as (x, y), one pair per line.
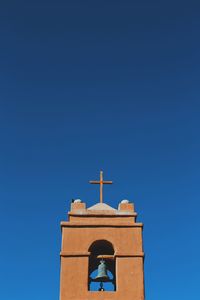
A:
(101, 182)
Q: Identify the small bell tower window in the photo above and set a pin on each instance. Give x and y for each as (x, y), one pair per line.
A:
(101, 274)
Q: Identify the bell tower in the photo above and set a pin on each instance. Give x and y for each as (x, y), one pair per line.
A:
(102, 253)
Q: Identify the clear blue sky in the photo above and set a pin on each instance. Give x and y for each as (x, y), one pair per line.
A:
(90, 85)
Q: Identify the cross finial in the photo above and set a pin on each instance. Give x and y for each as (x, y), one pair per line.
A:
(101, 182)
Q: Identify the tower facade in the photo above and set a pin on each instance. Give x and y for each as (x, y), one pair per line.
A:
(96, 237)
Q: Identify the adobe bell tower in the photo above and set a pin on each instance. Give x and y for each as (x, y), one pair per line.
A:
(102, 254)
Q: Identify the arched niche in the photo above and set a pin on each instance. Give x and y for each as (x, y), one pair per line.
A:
(101, 249)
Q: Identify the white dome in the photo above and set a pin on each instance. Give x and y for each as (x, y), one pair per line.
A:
(125, 201)
(77, 201)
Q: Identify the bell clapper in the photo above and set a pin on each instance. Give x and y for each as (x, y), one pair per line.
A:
(101, 289)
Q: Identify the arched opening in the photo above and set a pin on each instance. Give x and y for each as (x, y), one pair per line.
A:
(101, 273)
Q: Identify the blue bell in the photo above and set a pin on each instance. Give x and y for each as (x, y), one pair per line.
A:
(102, 275)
